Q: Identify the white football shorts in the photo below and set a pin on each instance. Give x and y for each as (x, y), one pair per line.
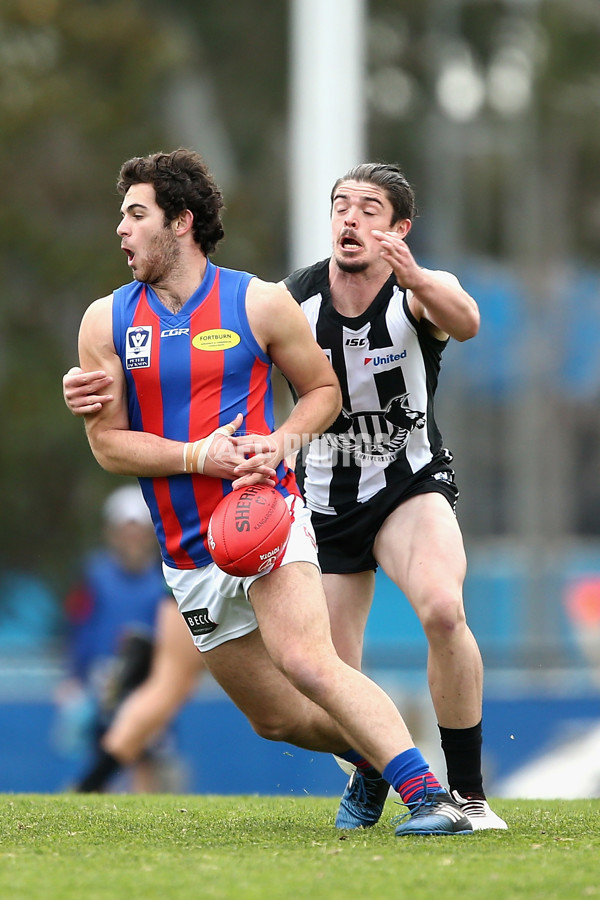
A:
(215, 605)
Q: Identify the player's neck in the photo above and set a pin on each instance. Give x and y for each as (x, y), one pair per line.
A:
(353, 292)
(178, 286)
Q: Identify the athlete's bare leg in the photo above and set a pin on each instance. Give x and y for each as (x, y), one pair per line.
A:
(274, 707)
(349, 599)
(292, 614)
(176, 667)
(420, 548)
(299, 635)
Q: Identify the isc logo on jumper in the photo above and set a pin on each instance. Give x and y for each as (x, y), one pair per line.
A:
(138, 344)
(216, 339)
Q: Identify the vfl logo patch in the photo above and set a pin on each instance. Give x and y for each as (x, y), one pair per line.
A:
(216, 339)
(199, 621)
(138, 344)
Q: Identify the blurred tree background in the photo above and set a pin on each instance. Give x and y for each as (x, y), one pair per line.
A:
(490, 106)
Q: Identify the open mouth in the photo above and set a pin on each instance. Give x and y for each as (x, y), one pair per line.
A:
(349, 243)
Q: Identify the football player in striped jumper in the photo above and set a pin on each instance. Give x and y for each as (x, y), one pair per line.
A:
(379, 482)
(188, 347)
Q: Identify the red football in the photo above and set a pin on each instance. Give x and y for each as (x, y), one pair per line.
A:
(249, 530)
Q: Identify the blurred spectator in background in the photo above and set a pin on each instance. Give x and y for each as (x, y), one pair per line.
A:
(111, 614)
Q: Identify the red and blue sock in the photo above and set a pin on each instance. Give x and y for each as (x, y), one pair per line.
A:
(409, 774)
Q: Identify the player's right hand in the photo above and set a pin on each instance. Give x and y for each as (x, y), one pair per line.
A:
(80, 391)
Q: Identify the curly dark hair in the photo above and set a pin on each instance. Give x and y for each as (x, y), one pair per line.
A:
(181, 181)
(391, 179)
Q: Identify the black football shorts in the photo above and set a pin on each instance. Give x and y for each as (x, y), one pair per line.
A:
(345, 540)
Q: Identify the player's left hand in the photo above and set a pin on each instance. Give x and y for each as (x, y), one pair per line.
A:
(397, 254)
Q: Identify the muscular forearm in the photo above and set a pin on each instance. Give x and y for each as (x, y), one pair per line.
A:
(145, 455)
(312, 415)
(136, 453)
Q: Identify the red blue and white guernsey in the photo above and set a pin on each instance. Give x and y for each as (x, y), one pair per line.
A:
(188, 373)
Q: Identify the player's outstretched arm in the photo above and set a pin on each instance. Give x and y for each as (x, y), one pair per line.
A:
(436, 296)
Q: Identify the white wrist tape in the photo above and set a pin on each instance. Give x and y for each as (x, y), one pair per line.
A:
(195, 452)
(190, 456)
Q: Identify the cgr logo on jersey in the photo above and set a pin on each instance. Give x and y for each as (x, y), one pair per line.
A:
(376, 435)
(174, 332)
(138, 344)
(390, 361)
(216, 339)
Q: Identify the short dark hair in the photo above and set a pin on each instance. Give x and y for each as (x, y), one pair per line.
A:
(181, 181)
(391, 179)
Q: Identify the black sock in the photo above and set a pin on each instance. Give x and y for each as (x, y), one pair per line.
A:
(462, 749)
(103, 767)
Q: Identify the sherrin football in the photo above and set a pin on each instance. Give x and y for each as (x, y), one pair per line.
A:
(249, 530)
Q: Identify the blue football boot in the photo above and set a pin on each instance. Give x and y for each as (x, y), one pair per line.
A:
(362, 802)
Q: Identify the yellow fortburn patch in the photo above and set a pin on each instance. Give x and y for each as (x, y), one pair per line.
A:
(216, 339)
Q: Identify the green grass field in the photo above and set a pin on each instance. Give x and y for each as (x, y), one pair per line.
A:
(76, 847)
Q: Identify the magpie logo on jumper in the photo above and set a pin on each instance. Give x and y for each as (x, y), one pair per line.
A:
(389, 361)
(199, 621)
(138, 345)
(376, 435)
